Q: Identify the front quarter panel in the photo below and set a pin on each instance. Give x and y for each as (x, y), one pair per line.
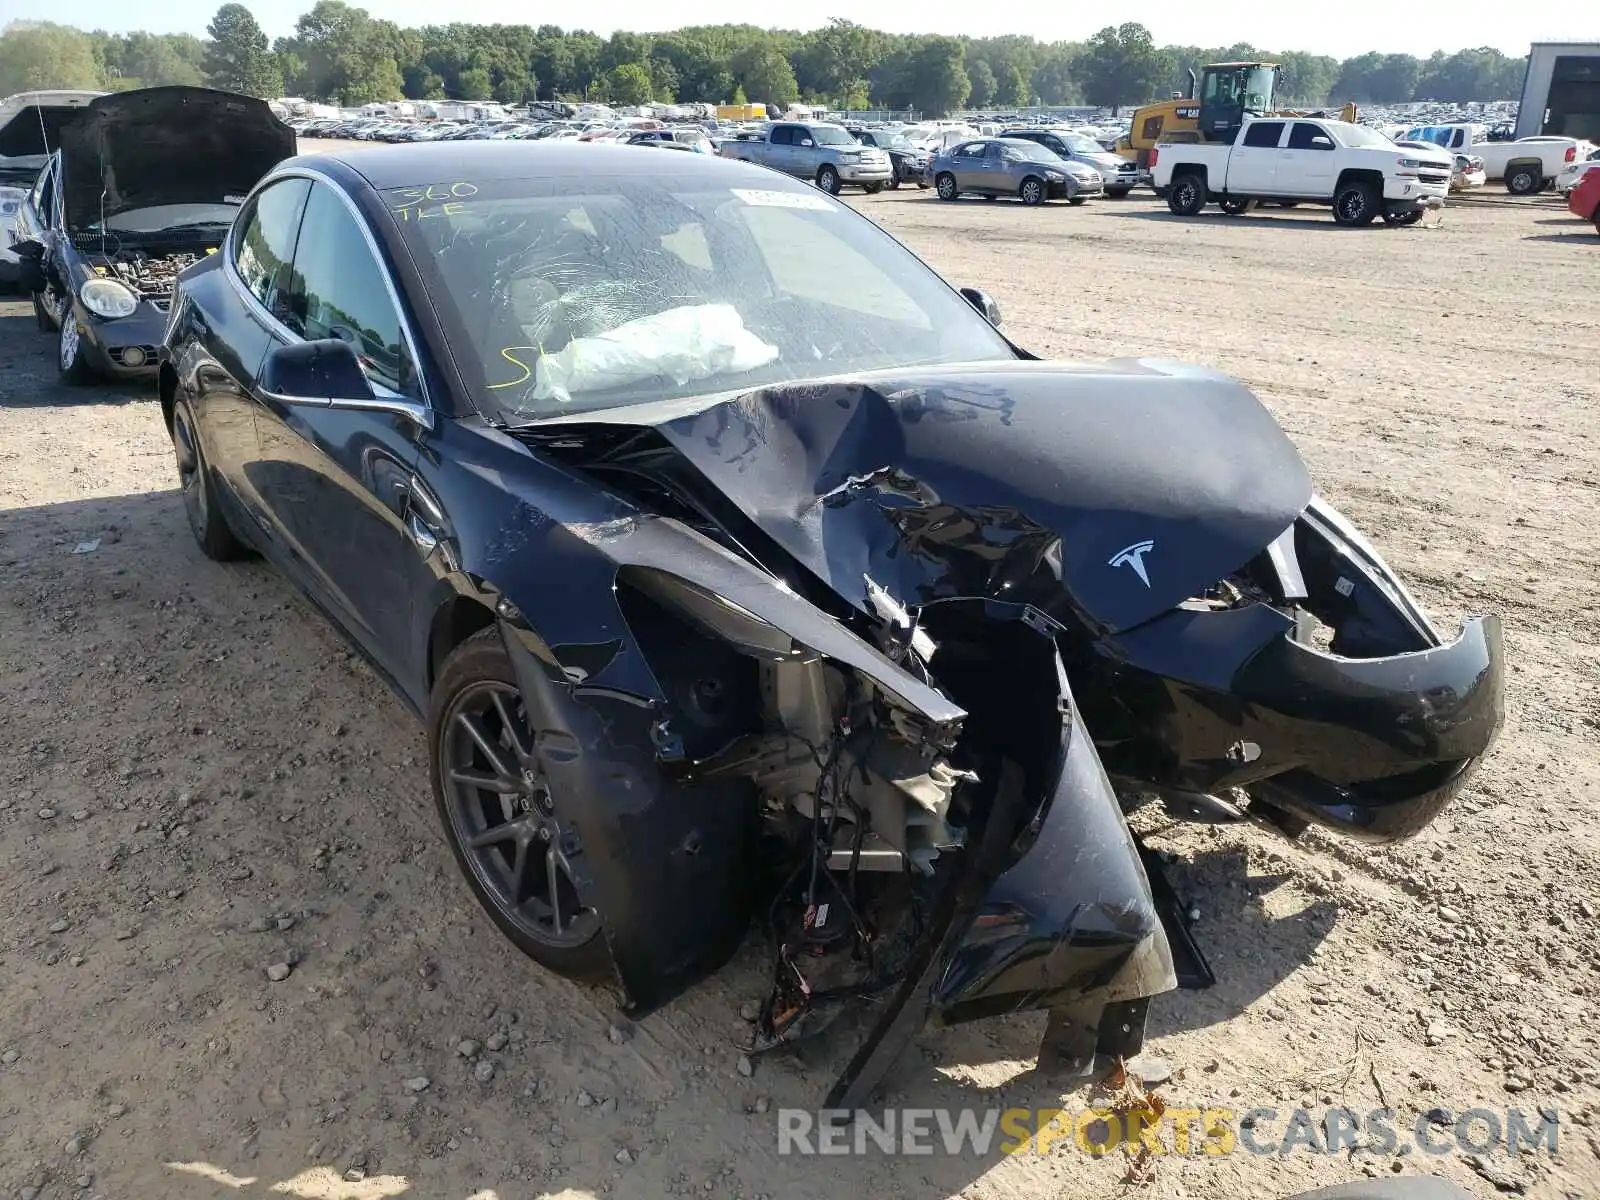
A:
(666, 856)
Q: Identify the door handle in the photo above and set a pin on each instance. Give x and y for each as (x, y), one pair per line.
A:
(422, 536)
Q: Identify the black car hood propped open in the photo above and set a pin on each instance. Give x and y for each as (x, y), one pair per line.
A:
(167, 145)
(1027, 482)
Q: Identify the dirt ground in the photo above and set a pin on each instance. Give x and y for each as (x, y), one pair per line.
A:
(199, 783)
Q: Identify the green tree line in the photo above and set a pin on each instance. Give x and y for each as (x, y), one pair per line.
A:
(346, 55)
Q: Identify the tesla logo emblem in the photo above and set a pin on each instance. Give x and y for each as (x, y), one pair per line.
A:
(1133, 556)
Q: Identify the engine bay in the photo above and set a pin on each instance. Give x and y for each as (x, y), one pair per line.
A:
(149, 276)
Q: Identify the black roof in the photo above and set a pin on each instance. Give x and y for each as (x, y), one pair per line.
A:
(418, 163)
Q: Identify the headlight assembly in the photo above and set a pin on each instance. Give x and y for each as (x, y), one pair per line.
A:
(1055, 176)
(108, 298)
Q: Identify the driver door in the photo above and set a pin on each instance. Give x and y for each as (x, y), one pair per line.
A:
(807, 158)
(336, 484)
(1306, 164)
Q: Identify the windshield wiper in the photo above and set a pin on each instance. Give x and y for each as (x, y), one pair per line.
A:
(194, 225)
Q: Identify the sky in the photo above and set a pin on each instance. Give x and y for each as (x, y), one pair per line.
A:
(1352, 27)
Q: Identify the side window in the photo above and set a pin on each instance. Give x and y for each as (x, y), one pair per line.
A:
(338, 290)
(264, 244)
(1056, 144)
(1458, 137)
(1263, 133)
(783, 135)
(44, 194)
(1152, 127)
(970, 150)
(1301, 134)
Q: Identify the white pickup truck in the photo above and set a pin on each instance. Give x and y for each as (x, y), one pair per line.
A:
(1529, 165)
(1289, 160)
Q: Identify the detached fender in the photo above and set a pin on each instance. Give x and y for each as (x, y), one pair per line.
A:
(666, 863)
(1073, 919)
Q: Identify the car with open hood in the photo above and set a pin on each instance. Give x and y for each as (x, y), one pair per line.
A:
(746, 575)
(142, 184)
(30, 129)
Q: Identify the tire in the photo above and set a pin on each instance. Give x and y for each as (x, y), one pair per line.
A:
(894, 184)
(1118, 193)
(1032, 191)
(923, 184)
(1077, 200)
(1186, 196)
(42, 314)
(1523, 180)
(946, 183)
(1287, 203)
(71, 364)
(1356, 204)
(828, 180)
(872, 189)
(199, 490)
(1237, 208)
(477, 687)
(1410, 217)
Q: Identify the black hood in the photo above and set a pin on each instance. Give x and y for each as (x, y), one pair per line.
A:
(1117, 490)
(168, 145)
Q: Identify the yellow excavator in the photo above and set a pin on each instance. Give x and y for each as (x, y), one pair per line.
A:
(1218, 101)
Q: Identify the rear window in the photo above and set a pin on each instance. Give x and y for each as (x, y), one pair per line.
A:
(1263, 133)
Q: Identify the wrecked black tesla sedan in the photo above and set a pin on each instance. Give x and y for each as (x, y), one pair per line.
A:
(138, 186)
(744, 573)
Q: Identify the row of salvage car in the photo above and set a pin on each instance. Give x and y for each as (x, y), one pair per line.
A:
(872, 625)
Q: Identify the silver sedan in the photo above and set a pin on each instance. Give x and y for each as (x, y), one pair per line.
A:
(1012, 167)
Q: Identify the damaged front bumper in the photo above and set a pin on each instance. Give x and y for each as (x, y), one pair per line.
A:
(1370, 735)
(122, 347)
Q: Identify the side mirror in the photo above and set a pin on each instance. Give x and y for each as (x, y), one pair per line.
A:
(325, 372)
(1322, 143)
(984, 303)
(807, 142)
(28, 249)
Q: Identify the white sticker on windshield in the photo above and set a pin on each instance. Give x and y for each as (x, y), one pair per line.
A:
(766, 199)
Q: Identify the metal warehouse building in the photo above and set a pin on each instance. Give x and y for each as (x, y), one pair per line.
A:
(1561, 92)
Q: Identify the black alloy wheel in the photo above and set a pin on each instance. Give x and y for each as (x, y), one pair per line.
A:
(1356, 204)
(209, 526)
(1186, 197)
(521, 856)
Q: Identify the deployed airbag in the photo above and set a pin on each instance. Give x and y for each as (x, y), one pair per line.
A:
(698, 341)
